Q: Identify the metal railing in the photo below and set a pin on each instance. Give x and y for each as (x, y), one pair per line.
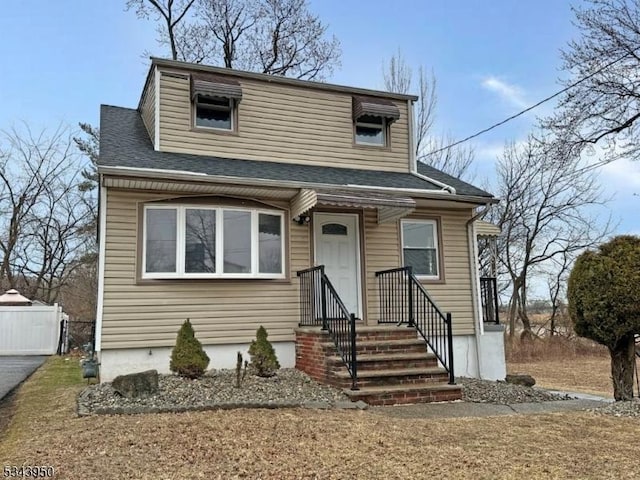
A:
(321, 305)
(403, 300)
(489, 297)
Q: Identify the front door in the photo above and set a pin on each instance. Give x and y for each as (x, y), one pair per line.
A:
(337, 247)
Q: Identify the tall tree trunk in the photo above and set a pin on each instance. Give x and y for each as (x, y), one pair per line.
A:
(622, 368)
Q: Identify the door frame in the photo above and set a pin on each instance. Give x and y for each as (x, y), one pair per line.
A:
(361, 314)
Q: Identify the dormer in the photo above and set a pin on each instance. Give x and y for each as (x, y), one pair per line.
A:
(197, 109)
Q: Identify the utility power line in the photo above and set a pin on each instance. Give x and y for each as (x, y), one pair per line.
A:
(532, 107)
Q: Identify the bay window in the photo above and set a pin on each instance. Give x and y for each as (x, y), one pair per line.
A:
(212, 242)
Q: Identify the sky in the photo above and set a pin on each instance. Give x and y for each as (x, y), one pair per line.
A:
(60, 60)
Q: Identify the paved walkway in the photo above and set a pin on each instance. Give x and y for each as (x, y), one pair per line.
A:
(14, 370)
(468, 409)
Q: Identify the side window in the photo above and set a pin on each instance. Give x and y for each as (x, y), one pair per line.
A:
(420, 247)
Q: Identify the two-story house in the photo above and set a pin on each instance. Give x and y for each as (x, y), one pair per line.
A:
(239, 199)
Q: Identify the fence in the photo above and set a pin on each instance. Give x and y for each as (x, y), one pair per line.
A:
(30, 330)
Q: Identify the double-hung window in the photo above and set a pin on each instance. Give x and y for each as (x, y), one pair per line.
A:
(214, 112)
(187, 241)
(420, 247)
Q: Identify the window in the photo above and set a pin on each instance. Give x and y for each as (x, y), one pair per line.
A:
(420, 247)
(212, 242)
(214, 112)
(370, 130)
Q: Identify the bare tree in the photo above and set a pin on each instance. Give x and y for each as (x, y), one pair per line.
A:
(600, 107)
(42, 211)
(169, 14)
(543, 214)
(278, 37)
(398, 77)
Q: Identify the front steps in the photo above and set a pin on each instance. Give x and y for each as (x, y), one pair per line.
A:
(394, 366)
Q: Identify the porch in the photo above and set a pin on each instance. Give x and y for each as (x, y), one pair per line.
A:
(407, 358)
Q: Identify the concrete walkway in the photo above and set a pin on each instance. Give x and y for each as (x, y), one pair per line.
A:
(15, 370)
(469, 409)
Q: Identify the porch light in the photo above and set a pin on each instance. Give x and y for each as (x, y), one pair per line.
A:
(302, 219)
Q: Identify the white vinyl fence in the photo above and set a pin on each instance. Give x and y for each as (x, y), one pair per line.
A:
(30, 330)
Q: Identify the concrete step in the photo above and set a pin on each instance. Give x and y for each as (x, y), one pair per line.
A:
(404, 394)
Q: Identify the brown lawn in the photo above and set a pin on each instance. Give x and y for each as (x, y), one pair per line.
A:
(293, 443)
(580, 374)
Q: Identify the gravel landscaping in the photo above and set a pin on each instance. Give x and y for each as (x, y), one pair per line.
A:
(289, 388)
(621, 409)
(485, 391)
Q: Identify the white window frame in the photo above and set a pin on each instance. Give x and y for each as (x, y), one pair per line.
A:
(383, 126)
(232, 114)
(219, 273)
(436, 237)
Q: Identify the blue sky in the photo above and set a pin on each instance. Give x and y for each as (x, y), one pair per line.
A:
(60, 60)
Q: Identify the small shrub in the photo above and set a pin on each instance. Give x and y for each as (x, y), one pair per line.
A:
(188, 358)
(263, 357)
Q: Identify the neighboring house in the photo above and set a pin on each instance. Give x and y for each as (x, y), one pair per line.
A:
(223, 187)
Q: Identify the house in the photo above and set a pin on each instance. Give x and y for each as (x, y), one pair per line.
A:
(240, 199)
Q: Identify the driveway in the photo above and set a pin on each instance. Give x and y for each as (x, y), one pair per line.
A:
(14, 370)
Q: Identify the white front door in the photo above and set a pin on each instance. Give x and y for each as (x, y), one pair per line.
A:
(337, 247)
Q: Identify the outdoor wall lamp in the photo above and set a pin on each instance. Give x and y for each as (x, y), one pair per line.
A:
(302, 219)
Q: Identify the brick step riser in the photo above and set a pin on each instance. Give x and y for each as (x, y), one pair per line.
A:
(399, 334)
(373, 349)
(404, 380)
(402, 398)
(391, 364)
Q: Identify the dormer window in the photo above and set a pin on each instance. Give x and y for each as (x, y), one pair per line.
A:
(371, 130)
(371, 118)
(215, 101)
(214, 112)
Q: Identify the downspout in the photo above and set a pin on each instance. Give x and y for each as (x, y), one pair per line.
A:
(475, 290)
(102, 236)
(413, 165)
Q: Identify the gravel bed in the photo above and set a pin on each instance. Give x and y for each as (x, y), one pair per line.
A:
(621, 409)
(216, 389)
(485, 391)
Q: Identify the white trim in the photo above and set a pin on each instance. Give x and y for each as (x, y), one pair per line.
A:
(189, 176)
(434, 224)
(219, 266)
(359, 286)
(156, 120)
(102, 214)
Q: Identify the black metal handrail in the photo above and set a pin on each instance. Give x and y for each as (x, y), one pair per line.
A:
(403, 300)
(489, 298)
(320, 304)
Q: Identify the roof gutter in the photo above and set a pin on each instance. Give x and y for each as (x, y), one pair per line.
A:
(203, 177)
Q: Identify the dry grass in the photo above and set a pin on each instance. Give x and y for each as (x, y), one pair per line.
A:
(562, 363)
(293, 443)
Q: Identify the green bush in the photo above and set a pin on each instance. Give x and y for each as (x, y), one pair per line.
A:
(263, 357)
(188, 358)
(604, 304)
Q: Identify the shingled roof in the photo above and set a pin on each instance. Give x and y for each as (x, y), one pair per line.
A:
(124, 142)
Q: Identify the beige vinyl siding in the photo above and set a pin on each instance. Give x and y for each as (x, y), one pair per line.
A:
(454, 295)
(280, 123)
(149, 314)
(148, 107)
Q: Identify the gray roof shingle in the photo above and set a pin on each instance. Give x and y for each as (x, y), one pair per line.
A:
(124, 142)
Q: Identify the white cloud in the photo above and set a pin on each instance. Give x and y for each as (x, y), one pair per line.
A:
(622, 175)
(509, 92)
